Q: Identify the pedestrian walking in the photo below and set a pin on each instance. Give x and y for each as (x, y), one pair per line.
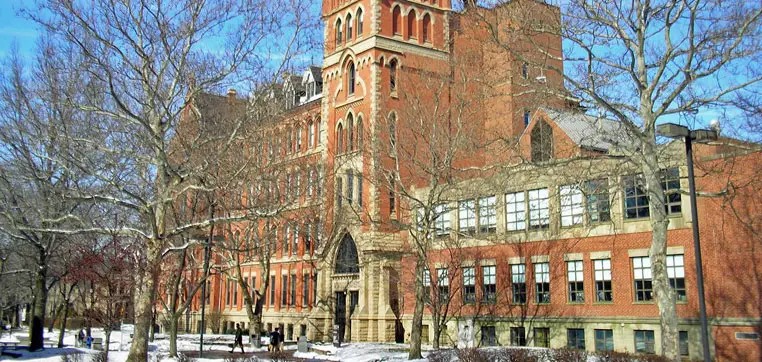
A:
(81, 338)
(238, 338)
(275, 340)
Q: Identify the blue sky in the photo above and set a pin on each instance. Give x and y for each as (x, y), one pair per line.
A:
(15, 28)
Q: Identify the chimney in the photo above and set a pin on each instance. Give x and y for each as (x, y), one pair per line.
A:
(232, 95)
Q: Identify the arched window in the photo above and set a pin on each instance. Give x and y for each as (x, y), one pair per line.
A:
(411, 24)
(350, 24)
(396, 20)
(347, 261)
(393, 75)
(393, 129)
(359, 22)
(338, 32)
(426, 30)
(317, 131)
(340, 139)
(542, 142)
(350, 133)
(359, 132)
(351, 78)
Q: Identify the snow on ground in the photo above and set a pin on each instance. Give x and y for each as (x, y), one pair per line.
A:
(358, 352)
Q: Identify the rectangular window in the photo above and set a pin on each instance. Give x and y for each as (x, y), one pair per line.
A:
(635, 197)
(683, 345)
(644, 342)
(298, 139)
(272, 290)
(489, 284)
(676, 273)
(575, 338)
(443, 284)
(576, 276)
(571, 205)
(293, 290)
(286, 240)
(229, 293)
(670, 183)
(518, 337)
(488, 336)
(598, 204)
(487, 215)
(542, 337)
(442, 220)
(311, 135)
(469, 285)
(254, 287)
(295, 243)
(310, 183)
(542, 282)
(467, 217)
(641, 268)
(426, 286)
(284, 290)
(604, 340)
(515, 211)
(305, 290)
(519, 283)
(308, 238)
(602, 271)
(539, 216)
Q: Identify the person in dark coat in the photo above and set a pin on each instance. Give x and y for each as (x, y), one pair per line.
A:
(275, 340)
(238, 338)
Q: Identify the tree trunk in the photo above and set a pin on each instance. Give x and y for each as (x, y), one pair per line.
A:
(173, 335)
(56, 313)
(437, 332)
(37, 322)
(663, 293)
(108, 343)
(63, 324)
(144, 300)
(415, 333)
(153, 325)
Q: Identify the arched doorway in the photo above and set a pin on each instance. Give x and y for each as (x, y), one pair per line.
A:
(346, 263)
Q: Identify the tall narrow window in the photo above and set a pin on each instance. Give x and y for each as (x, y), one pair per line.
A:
(515, 211)
(598, 207)
(469, 285)
(295, 240)
(426, 29)
(542, 282)
(284, 290)
(293, 290)
(571, 205)
(359, 131)
(676, 273)
(317, 131)
(350, 25)
(351, 79)
(396, 20)
(350, 186)
(314, 288)
(525, 70)
(340, 139)
(393, 75)
(635, 197)
(359, 190)
(299, 139)
(487, 215)
(289, 140)
(339, 192)
(443, 285)
(576, 277)
(338, 32)
(602, 271)
(426, 280)
(442, 219)
(539, 215)
(467, 217)
(307, 238)
(305, 290)
(359, 22)
(310, 135)
(412, 31)
(519, 283)
(286, 240)
(542, 142)
(489, 284)
(641, 268)
(350, 132)
(671, 185)
(527, 118)
(272, 290)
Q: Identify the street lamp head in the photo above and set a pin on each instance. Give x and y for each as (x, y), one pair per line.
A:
(714, 125)
(672, 130)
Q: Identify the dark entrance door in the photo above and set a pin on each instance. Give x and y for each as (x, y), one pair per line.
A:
(340, 314)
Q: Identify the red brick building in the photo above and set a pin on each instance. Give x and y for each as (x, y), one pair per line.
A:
(551, 234)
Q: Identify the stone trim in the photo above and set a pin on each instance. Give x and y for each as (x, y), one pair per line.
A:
(595, 255)
(517, 260)
(573, 257)
(540, 259)
(671, 250)
(634, 253)
(487, 262)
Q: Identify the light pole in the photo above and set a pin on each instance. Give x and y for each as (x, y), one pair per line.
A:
(676, 131)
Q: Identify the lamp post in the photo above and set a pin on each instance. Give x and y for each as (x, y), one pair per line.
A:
(676, 131)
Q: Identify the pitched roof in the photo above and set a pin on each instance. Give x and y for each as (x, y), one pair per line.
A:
(589, 131)
(317, 73)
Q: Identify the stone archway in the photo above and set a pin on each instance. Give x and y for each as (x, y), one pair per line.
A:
(346, 265)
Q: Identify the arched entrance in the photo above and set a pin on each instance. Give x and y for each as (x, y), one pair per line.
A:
(347, 264)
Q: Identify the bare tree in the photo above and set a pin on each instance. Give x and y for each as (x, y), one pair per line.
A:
(641, 63)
